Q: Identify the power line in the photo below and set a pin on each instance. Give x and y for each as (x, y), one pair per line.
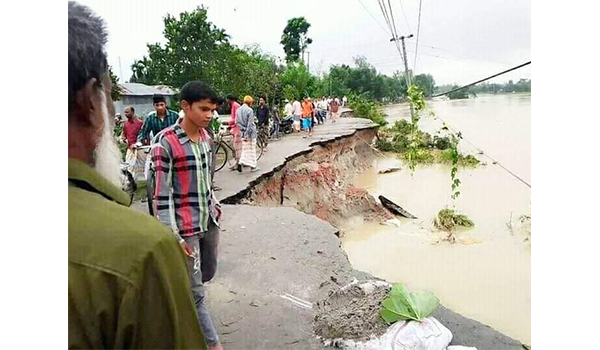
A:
(392, 15)
(418, 30)
(373, 17)
(385, 17)
(479, 81)
(404, 13)
(384, 11)
(461, 55)
(487, 155)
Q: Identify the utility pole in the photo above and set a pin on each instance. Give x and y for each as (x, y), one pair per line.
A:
(120, 69)
(406, 71)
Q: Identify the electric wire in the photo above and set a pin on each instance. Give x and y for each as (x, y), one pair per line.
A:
(479, 81)
(495, 162)
(417, 44)
(363, 5)
(404, 13)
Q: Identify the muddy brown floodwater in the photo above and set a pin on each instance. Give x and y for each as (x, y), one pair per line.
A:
(487, 274)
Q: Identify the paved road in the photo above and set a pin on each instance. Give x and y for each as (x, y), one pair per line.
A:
(277, 152)
(270, 258)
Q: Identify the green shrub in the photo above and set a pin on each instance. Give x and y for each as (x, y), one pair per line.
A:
(448, 220)
(422, 156)
(365, 108)
(441, 143)
(468, 160)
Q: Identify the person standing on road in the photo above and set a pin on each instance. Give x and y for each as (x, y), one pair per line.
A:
(245, 121)
(128, 287)
(235, 130)
(288, 109)
(344, 101)
(131, 130)
(334, 110)
(307, 116)
(276, 122)
(297, 113)
(185, 202)
(262, 114)
(161, 118)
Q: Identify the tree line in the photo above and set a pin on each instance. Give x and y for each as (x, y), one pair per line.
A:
(196, 49)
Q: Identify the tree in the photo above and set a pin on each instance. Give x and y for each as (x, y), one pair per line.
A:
(195, 50)
(296, 80)
(425, 83)
(294, 38)
(115, 91)
(339, 77)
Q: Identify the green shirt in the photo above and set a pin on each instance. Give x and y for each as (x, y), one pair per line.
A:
(128, 280)
(154, 124)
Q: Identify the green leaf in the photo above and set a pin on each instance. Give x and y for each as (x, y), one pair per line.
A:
(402, 304)
(399, 307)
(425, 303)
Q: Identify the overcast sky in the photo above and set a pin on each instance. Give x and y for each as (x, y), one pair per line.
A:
(460, 41)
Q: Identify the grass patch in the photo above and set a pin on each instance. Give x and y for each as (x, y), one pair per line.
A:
(448, 220)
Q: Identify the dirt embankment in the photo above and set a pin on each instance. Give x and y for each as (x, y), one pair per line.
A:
(318, 182)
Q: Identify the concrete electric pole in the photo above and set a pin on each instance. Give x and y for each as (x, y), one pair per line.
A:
(406, 71)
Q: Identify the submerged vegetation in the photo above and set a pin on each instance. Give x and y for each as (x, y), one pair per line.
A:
(428, 150)
(448, 220)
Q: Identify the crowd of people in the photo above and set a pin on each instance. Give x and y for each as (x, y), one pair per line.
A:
(245, 124)
(140, 284)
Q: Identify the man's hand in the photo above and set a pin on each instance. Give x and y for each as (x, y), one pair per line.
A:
(187, 250)
(219, 213)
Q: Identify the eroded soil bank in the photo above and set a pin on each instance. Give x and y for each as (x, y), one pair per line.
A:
(318, 182)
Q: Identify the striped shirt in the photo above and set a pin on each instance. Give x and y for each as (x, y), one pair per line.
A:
(184, 200)
(155, 125)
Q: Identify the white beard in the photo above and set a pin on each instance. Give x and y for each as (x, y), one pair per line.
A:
(107, 156)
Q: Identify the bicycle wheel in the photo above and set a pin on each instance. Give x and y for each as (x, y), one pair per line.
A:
(220, 156)
(150, 184)
(260, 145)
(128, 183)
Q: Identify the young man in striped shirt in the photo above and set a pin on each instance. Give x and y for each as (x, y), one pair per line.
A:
(182, 158)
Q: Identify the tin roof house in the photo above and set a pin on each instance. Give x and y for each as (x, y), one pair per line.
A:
(140, 97)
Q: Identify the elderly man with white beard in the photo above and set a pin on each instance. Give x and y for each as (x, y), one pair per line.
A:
(128, 281)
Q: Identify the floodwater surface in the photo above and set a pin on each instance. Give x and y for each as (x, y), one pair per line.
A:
(486, 275)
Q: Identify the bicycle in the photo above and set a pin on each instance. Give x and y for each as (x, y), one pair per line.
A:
(262, 140)
(128, 181)
(130, 185)
(223, 151)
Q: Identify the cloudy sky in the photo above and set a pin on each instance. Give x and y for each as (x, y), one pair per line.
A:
(460, 41)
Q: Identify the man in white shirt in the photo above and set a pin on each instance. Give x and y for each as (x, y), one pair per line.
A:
(296, 112)
(288, 109)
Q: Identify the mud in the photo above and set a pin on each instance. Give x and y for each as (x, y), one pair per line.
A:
(351, 313)
(318, 183)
